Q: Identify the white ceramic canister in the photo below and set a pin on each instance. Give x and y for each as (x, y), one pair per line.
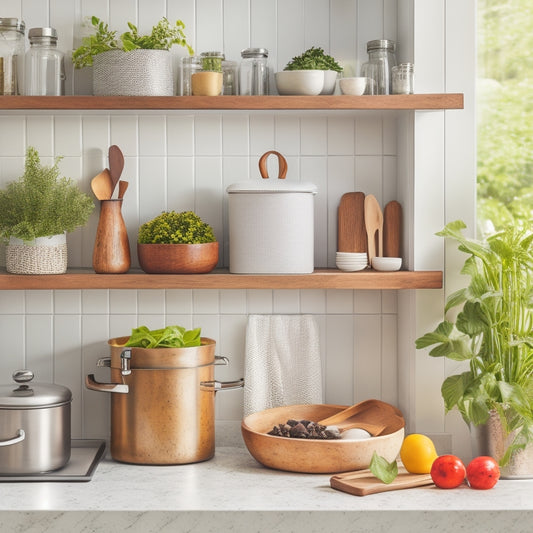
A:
(271, 224)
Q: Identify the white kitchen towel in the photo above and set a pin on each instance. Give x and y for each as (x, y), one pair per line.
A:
(282, 362)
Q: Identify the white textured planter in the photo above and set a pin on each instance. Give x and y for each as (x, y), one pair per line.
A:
(44, 255)
(134, 73)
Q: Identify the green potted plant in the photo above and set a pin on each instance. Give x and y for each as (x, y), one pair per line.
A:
(208, 80)
(132, 64)
(493, 334)
(36, 211)
(177, 243)
(304, 73)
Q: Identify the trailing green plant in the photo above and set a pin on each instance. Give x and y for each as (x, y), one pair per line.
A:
(41, 203)
(313, 59)
(171, 227)
(162, 37)
(493, 332)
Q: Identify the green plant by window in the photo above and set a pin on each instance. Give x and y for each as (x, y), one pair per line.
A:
(162, 37)
(176, 228)
(41, 203)
(313, 59)
(493, 332)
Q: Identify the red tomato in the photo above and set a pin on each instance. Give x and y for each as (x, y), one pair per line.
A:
(483, 472)
(448, 471)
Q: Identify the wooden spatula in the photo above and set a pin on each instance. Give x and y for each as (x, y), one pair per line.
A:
(392, 229)
(351, 234)
(116, 164)
(374, 227)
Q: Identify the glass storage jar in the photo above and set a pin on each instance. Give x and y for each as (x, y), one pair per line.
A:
(381, 54)
(45, 64)
(254, 72)
(403, 79)
(12, 56)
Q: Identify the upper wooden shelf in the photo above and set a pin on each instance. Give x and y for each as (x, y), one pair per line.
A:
(222, 279)
(394, 102)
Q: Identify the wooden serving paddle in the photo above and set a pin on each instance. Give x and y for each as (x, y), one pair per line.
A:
(363, 482)
(351, 234)
(392, 229)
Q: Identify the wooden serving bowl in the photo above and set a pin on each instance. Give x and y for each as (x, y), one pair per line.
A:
(309, 455)
(178, 258)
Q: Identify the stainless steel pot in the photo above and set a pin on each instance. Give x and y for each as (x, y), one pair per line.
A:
(163, 402)
(34, 426)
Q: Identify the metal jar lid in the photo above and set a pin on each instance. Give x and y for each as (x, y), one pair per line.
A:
(26, 395)
(10, 23)
(377, 44)
(254, 52)
(40, 33)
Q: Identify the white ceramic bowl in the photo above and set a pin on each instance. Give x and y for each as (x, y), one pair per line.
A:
(300, 82)
(330, 79)
(353, 86)
(386, 264)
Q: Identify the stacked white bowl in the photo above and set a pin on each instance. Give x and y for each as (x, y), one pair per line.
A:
(351, 261)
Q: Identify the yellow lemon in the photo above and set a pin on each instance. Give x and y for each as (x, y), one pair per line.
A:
(418, 453)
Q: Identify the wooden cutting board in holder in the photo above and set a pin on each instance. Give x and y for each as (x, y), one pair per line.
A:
(363, 482)
(351, 234)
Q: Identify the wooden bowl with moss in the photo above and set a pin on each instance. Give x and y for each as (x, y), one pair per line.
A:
(177, 243)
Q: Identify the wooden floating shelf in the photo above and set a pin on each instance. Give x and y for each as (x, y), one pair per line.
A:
(377, 102)
(222, 279)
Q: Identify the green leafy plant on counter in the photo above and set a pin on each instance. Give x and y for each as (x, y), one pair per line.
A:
(162, 37)
(169, 337)
(493, 332)
(313, 59)
(171, 227)
(41, 203)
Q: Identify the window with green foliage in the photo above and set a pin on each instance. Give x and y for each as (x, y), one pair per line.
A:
(505, 114)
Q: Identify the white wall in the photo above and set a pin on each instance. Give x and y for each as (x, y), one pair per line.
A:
(181, 160)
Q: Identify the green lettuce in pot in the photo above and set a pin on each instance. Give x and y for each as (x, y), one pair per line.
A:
(169, 337)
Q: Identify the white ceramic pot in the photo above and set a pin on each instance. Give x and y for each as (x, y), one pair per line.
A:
(300, 82)
(133, 73)
(271, 225)
(44, 255)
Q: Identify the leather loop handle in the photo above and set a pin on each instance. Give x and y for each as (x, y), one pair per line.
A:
(281, 161)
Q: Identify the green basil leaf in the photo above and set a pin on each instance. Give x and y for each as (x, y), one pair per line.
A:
(382, 469)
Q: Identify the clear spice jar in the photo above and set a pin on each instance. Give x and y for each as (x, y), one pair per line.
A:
(403, 79)
(254, 72)
(189, 65)
(45, 64)
(230, 77)
(381, 54)
(12, 54)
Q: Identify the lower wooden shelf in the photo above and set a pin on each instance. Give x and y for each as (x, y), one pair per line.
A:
(222, 279)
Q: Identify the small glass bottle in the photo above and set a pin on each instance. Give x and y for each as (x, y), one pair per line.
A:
(403, 79)
(12, 55)
(381, 54)
(254, 72)
(45, 67)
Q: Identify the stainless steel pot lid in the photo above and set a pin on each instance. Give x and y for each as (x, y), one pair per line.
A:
(24, 394)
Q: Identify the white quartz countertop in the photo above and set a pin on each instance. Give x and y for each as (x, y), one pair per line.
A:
(232, 492)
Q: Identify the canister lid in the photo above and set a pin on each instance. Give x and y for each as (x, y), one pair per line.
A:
(271, 185)
(254, 52)
(38, 33)
(11, 23)
(387, 44)
(24, 394)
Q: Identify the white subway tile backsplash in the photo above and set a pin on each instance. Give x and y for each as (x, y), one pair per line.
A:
(185, 161)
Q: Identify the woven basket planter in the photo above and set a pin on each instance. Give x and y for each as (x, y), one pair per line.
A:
(134, 73)
(44, 255)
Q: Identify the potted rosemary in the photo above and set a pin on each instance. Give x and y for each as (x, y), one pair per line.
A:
(177, 243)
(493, 334)
(132, 64)
(36, 212)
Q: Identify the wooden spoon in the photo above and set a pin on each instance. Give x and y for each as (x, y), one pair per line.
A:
(373, 416)
(102, 185)
(374, 227)
(351, 235)
(392, 229)
(122, 186)
(116, 164)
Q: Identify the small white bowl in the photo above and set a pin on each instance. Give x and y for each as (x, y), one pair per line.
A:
(353, 86)
(330, 79)
(300, 82)
(386, 264)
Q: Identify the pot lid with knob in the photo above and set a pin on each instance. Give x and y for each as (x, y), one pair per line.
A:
(25, 394)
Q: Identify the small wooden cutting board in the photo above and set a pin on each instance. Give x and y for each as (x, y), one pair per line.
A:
(351, 235)
(363, 482)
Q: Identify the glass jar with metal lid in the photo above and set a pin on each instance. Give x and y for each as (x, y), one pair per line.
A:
(11, 56)
(381, 54)
(254, 72)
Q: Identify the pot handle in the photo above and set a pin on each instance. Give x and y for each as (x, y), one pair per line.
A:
(222, 385)
(20, 437)
(92, 384)
(282, 162)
